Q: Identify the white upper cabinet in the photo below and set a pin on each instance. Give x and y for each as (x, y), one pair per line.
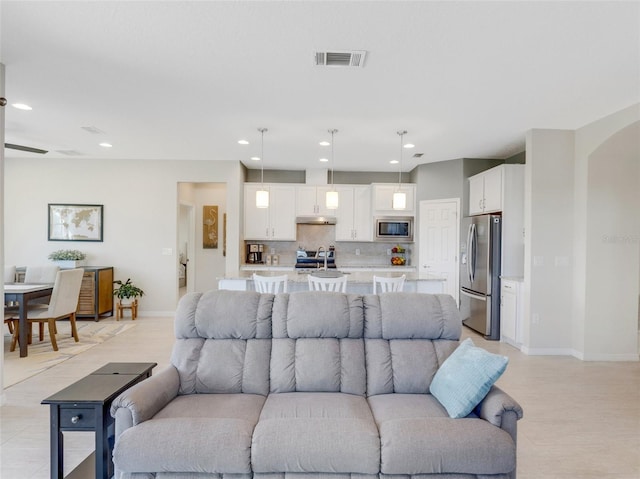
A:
(485, 192)
(383, 199)
(501, 189)
(275, 223)
(311, 201)
(353, 216)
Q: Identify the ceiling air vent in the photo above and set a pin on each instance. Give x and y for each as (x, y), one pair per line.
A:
(341, 58)
(418, 155)
(93, 130)
(28, 149)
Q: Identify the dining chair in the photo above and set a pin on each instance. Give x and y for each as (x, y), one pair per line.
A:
(388, 285)
(41, 274)
(9, 277)
(10, 319)
(328, 284)
(63, 304)
(271, 284)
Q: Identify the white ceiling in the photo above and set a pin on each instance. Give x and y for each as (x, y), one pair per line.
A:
(186, 80)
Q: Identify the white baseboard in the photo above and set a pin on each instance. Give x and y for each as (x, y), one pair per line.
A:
(612, 357)
(548, 351)
(156, 314)
(579, 355)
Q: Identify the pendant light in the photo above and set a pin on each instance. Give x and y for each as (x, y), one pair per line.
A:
(400, 198)
(332, 196)
(262, 195)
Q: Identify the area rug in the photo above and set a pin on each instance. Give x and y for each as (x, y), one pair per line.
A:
(42, 356)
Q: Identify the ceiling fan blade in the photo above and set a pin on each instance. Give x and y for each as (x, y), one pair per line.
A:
(25, 148)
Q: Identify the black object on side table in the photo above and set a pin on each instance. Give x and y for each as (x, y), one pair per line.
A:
(84, 406)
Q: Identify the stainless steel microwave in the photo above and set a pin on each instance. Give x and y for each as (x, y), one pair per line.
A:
(394, 228)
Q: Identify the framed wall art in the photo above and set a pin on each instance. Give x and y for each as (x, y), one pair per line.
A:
(68, 222)
(209, 227)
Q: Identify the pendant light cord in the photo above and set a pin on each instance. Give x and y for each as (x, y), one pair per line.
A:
(262, 130)
(334, 131)
(401, 133)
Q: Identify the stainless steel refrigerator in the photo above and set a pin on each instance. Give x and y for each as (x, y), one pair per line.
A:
(480, 274)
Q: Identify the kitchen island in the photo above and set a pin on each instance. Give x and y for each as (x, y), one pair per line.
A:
(359, 280)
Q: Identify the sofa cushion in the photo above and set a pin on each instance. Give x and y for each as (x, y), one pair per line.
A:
(310, 314)
(223, 342)
(316, 432)
(407, 337)
(207, 433)
(317, 344)
(418, 437)
(465, 378)
(411, 316)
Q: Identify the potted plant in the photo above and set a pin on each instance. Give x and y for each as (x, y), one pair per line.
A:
(126, 291)
(127, 294)
(68, 258)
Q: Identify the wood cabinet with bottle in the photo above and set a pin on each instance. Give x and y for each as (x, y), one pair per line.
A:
(96, 292)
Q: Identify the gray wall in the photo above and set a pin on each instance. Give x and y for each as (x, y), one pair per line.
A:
(339, 177)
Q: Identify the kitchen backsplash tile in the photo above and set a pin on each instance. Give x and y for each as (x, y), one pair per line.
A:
(312, 236)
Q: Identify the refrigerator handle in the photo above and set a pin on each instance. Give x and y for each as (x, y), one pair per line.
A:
(472, 247)
(480, 297)
(469, 254)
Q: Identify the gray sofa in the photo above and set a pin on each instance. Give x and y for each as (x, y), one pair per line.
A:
(309, 385)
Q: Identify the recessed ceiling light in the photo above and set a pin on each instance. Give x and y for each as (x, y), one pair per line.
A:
(324, 143)
(394, 162)
(409, 145)
(106, 145)
(21, 106)
(324, 160)
(243, 142)
(255, 158)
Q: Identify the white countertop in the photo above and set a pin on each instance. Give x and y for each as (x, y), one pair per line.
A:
(353, 276)
(512, 278)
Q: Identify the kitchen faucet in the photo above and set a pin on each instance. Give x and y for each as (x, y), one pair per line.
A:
(322, 248)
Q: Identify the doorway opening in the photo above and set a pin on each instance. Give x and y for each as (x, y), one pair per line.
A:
(200, 241)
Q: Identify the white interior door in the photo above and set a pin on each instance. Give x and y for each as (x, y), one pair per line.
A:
(439, 239)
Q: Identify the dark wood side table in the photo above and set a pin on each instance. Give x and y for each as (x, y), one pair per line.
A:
(84, 406)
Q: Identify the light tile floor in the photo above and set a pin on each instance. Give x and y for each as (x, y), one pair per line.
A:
(582, 419)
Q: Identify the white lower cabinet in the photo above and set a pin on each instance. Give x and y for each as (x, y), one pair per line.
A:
(354, 220)
(511, 312)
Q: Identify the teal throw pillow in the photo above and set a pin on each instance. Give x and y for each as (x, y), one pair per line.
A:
(464, 379)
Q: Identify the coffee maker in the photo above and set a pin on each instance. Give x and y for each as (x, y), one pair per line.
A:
(254, 253)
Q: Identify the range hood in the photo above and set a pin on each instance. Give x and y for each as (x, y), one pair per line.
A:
(316, 220)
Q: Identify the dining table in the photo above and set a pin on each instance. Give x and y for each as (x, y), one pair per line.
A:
(22, 293)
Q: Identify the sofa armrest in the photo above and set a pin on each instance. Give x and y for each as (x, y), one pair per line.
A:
(501, 410)
(145, 399)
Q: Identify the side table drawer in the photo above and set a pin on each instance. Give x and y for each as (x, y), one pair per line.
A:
(77, 418)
